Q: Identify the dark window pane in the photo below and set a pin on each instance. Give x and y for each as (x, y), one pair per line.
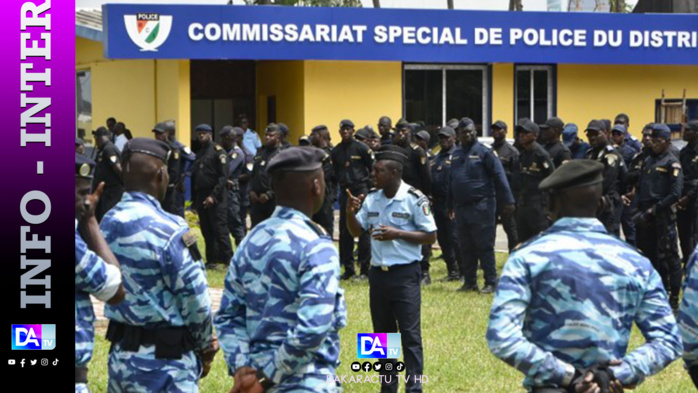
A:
(84, 102)
(423, 97)
(464, 95)
(523, 94)
(540, 96)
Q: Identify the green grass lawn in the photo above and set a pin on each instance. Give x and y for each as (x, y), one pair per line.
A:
(456, 357)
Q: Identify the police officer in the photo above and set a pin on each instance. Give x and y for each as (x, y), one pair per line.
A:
(209, 193)
(624, 120)
(440, 176)
(509, 157)
(550, 136)
(79, 146)
(283, 136)
(400, 221)
(603, 152)
(173, 167)
(282, 308)
(536, 165)
(352, 162)
(631, 181)
(236, 165)
(186, 160)
(262, 201)
(477, 184)
(368, 137)
(108, 170)
(578, 148)
(688, 318)
(686, 220)
(626, 151)
(161, 334)
(320, 138)
(550, 316)
(658, 190)
(385, 129)
(97, 271)
(422, 138)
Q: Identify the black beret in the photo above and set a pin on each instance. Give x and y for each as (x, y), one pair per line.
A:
(424, 135)
(362, 134)
(573, 174)
(346, 123)
(204, 128)
(447, 131)
(500, 124)
(151, 147)
(170, 125)
(239, 131)
(319, 128)
(392, 152)
(283, 128)
(596, 125)
(79, 141)
(648, 126)
(272, 127)
(553, 122)
(304, 141)
(402, 123)
(619, 128)
(526, 125)
(226, 130)
(84, 167)
(160, 128)
(453, 123)
(691, 125)
(661, 130)
(466, 122)
(297, 159)
(101, 131)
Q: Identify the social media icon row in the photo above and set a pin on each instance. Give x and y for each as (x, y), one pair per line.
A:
(32, 362)
(377, 366)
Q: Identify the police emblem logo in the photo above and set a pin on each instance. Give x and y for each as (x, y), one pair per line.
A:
(84, 170)
(426, 209)
(176, 156)
(148, 31)
(112, 159)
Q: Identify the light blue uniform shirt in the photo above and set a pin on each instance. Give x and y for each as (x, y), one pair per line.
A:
(251, 142)
(408, 210)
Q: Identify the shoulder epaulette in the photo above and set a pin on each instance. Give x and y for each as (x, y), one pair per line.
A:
(415, 192)
(218, 147)
(372, 190)
(414, 146)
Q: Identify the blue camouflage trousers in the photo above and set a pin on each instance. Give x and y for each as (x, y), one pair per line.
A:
(141, 372)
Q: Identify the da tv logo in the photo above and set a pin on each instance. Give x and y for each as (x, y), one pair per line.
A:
(33, 337)
(378, 345)
(148, 31)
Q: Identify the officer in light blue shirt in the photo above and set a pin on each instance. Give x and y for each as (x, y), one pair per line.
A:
(250, 139)
(399, 219)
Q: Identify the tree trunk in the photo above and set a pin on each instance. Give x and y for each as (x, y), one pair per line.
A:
(515, 5)
(376, 3)
(450, 4)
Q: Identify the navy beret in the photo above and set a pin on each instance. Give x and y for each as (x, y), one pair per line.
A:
(447, 131)
(101, 131)
(319, 128)
(596, 125)
(272, 127)
(619, 128)
(553, 122)
(283, 128)
(84, 166)
(575, 173)
(526, 125)
(79, 141)
(660, 130)
(239, 131)
(691, 125)
(402, 123)
(393, 153)
(297, 159)
(500, 124)
(170, 125)
(204, 128)
(151, 147)
(226, 130)
(361, 135)
(466, 122)
(424, 135)
(346, 123)
(160, 128)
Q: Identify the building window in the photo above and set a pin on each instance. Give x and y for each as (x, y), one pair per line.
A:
(534, 93)
(433, 94)
(83, 86)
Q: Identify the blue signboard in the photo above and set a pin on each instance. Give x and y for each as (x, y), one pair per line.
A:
(433, 36)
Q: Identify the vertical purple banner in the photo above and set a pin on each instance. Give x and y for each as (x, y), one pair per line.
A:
(38, 101)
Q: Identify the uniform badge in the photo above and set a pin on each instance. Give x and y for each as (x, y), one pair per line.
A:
(112, 159)
(439, 168)
(545, 165)
(423, 160)
(611, 159)
(426, 209)
(534, 166)
(223, 160)
(235, 155)
(263, 163)
(84, 170)
(677, 169)
(347, 164)
(176, 155)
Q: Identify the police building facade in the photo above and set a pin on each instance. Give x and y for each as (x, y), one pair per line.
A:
(306, 66)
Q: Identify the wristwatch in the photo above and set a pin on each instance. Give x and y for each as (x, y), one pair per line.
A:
(265, 381)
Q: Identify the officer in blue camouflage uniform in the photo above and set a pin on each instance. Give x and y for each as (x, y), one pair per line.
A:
(282, 307)
(688, 318)
(399, 219)
(567, 299)
(96, 269)
(658, 190)
(477, 184)
(161, 334)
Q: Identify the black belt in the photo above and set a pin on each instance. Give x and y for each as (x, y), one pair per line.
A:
(393, 267)
(80, 374)
(170, 342)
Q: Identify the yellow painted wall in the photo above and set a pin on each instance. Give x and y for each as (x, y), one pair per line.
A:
(283, 79)
(588, 92)
(503, 94)
(137, 92)
(360, 91)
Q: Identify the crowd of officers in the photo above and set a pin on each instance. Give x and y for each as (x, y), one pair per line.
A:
(456, 195)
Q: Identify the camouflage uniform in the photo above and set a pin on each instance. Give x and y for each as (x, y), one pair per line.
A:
(96, 277)
(282, 306)
(688, 314)
(570, 297)
(165, 287)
